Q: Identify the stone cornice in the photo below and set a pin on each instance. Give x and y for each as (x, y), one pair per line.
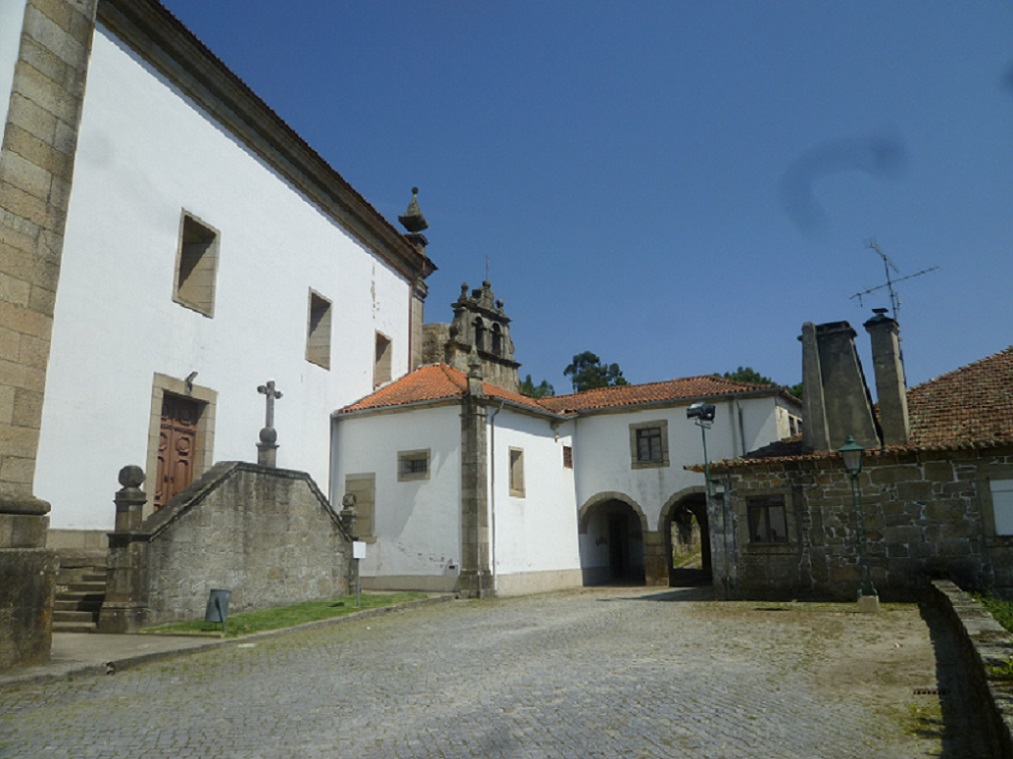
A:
(163, 41)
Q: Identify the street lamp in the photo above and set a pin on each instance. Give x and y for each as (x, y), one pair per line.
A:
(704, 415)
(852, 453)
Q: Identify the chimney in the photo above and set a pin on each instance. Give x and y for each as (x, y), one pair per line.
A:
(891, 387)
(814, 418)
(847, 404)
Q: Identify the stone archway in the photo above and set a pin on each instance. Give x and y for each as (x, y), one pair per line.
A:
(612, 537)
(686, 530)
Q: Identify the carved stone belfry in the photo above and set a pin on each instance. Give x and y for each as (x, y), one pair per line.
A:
(481, 325)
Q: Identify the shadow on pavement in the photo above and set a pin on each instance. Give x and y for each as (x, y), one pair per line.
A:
(962, 725)
(693, 593)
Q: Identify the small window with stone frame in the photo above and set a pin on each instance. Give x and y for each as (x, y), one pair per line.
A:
(382, 360)
(767, 519)
(649, 444)
(567, 457)
(196, 266)
(318, 331)
(413, 465)
(1002, 506)
(517, 472)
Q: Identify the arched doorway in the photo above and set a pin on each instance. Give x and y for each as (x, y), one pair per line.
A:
(612, 544)
(687, 536)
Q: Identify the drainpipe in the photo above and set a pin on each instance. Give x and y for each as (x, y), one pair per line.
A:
(742, 428)
(492, 495)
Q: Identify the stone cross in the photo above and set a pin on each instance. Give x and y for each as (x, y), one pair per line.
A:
(268, 446)
(271, 394)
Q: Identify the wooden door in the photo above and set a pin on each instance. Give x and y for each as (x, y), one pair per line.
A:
(177, 445)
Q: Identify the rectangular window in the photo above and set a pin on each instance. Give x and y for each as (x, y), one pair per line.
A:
(413, 465)
(318, 331)
(1002, 506)
(517, 472)
(196, 266)
(649, 444)
(567, 457)
(381, 364)
(767, 519)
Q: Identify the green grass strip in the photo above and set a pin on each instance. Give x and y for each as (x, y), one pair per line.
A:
(280, 617)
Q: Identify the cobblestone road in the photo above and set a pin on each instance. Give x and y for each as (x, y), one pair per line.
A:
(604, 673)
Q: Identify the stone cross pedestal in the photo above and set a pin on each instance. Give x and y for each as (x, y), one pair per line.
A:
(267, 448)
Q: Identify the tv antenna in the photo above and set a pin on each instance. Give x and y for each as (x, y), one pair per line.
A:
(889, 265)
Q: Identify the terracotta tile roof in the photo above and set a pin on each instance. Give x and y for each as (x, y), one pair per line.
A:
(704, 386)
(972, 405)
(433, 383)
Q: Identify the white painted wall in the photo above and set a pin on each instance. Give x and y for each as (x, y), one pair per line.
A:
(12, 15)
(146, 153)
(602, 450)
(536, 533)
(418, 522)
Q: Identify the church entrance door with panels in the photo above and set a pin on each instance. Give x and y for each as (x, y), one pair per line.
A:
(177, 444)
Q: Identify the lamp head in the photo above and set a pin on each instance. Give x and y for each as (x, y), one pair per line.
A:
(702, 411)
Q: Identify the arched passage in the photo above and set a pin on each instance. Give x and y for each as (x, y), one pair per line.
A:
(687, 538)
(612, 541)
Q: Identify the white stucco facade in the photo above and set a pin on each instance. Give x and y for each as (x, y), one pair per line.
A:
(146, 155)
(415, 541)
(534, 535)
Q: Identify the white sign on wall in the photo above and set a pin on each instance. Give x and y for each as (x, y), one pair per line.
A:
(358, 549)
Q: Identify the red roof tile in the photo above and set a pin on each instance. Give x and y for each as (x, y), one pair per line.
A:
(972, 405)
(704, 386)
(436, 382)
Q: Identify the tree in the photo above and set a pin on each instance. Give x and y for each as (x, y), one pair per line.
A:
(542, 390)
(588, 372)
(748, 375)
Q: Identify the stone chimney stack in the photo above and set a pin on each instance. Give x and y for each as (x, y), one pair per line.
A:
(836, 400)
(891, 387)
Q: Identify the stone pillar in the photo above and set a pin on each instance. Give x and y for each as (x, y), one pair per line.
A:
(419, 292)
(891, 388)
(36, 170)
(126, 600)
(656, 562)
(476, 575)
(845, 395)
(814, 416)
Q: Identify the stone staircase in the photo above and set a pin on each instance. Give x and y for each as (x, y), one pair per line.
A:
(80, 590)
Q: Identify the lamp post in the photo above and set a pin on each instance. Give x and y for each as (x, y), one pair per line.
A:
(852, 453)
(703, 413)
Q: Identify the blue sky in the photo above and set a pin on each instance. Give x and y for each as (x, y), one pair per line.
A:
(675, 186)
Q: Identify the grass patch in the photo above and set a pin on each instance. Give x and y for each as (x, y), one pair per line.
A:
(280, 617)
(1000, 609)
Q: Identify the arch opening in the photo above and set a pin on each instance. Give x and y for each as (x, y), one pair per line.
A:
(687, 537)
(612, 545)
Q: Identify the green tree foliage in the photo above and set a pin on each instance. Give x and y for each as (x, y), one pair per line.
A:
(588, 372)
(750, 376)
(542, 390)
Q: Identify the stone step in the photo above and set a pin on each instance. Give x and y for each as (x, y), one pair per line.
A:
(91, 602)
(86, 587)
(94, 577)
(79, 617)
(75, 627)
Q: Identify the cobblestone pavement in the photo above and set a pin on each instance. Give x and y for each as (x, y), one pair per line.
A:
(594, 673)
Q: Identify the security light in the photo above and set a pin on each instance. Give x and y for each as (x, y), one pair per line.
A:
(702, 411)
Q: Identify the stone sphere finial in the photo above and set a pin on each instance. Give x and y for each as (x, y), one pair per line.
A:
(268, 435)
(131, 476)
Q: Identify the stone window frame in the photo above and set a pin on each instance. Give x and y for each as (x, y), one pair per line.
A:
(363, 486)
(515, 471)
(766, 503)
(196, 259)
(635, 429)
(205, 439)
(318, 329)
(792, 496)
(568, 457)
(383, 349)
(986, 475)
(408, 462)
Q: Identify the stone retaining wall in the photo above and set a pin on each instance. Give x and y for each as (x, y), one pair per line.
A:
(987, 650)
